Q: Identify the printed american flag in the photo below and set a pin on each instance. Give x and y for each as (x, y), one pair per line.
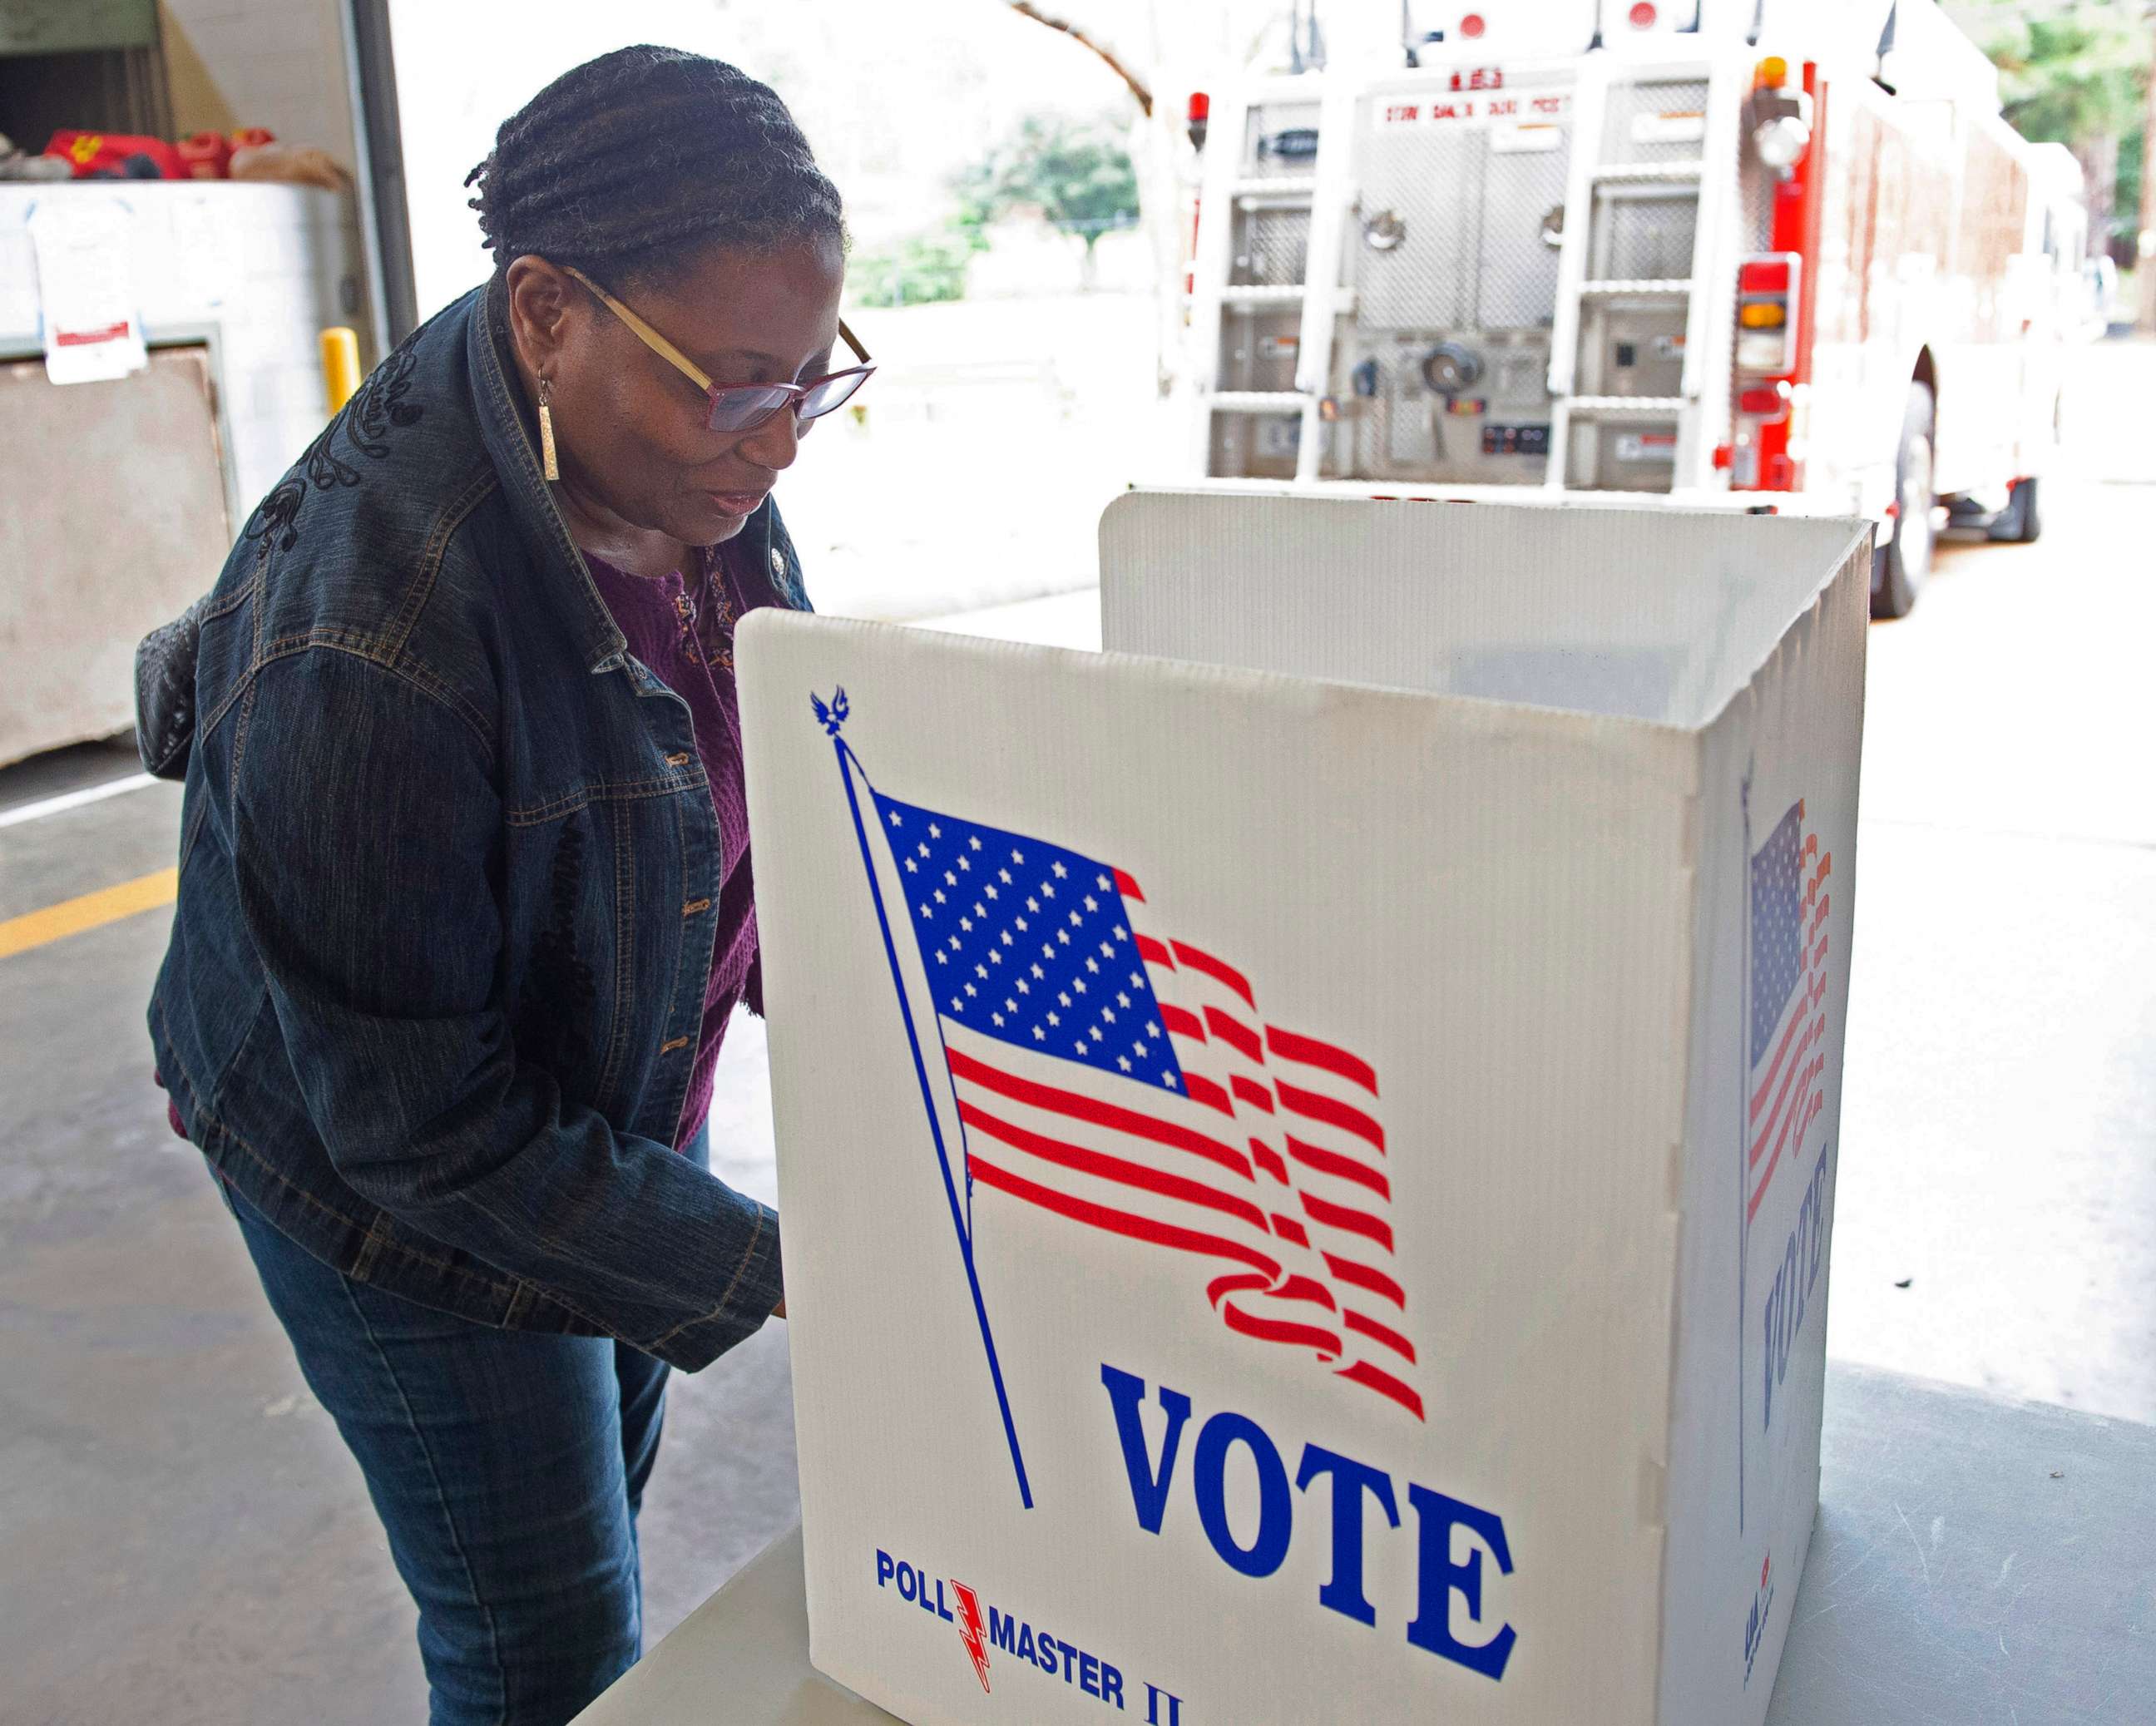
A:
(1787, 1071)
(1128, 1082)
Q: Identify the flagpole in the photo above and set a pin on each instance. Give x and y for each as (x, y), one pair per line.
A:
(1744, 1136)
(848, 763)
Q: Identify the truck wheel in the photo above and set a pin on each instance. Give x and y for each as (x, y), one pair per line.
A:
(2020, 522)
(1907, 559)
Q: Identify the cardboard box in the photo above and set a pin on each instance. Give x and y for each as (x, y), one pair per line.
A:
(1307, 1156)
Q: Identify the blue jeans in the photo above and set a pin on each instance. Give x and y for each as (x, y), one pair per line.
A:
(507, 1467)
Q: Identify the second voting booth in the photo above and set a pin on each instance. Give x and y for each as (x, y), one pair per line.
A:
(1307, 1140)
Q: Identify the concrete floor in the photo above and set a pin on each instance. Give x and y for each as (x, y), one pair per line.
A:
(187, 1541)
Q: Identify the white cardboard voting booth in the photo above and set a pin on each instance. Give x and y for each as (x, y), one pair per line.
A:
(1307, 1140)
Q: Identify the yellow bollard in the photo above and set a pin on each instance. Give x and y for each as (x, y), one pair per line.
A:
(340, 365)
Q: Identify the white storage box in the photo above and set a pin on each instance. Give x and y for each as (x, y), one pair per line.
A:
(1307, 1156)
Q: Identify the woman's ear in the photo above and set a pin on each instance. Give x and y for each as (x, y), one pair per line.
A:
(542, 307)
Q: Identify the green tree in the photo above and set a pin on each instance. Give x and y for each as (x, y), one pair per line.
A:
(2075, 73)
(920, 270)
(1077, 173)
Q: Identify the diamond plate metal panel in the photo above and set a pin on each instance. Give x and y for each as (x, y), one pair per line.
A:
(1432, 179)
(1647, 233)
(1518, 282)
(1644, 102)
(1262, 128)
(1272, 247)
(1259, 350)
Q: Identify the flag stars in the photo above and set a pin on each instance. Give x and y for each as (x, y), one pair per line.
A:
(1108, 1014)
(979, 909)
(1010, 1006)
(1095, 1034)
(1168, 1080)
(1153, 1029)
(1106, 883)
(971, 990)
(1047, 949)
(1005, 877)
(1038, 972)
(958, 1005)
(1121, 933)
(1091, 903)
(1078, 984)
(925, 910)
(1039, 1035)
(1047, 892)
(1081, 1045)
(1056, 869)
(1122, 999)
(1063, 935)
(942, 956)
(1023, 987)
(949, 879)
(1018, 856)
(934, 831)
(1106, 951)
(1076, 921)
(1136, 981)
(1020, 926)
(990, 890)
(939, 896)
(1006, 938)
(895, 820)
(1094, 966)
(980, 970)
(995, 956)
(954, 943)
(996, 1020)
(923, 850)
(975, 841)
(1139, 1044)
(966, 863)
(1032, 904)
(1065, 998)
(912, 867)
(1053, 1019)
(967, 924)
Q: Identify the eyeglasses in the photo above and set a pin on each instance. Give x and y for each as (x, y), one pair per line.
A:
(744, 407)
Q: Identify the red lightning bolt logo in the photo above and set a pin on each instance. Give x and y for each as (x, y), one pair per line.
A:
(970, 1631)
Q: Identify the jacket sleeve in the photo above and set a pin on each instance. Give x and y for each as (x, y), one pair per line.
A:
(364, 834)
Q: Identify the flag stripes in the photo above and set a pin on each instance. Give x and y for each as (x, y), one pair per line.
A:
(1110, 1076)
(1789, 945)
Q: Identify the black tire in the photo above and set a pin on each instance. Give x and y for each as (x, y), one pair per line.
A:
(2021, 522)
(1906, 560)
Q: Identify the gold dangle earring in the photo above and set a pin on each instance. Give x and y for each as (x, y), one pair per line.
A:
(547, 461)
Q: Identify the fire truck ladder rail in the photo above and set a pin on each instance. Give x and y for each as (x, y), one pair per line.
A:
(1627, 406)
(1657, 286)
(1649, 173)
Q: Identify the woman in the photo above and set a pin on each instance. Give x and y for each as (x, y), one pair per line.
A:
(465, 891)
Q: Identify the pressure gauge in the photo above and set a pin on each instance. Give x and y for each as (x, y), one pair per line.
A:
(1448, 368)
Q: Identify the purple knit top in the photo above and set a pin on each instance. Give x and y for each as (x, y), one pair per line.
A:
(697, 665)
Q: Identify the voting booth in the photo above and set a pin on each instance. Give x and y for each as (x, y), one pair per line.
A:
(1307, 1140)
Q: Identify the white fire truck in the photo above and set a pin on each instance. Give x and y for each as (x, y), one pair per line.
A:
(1726, 253)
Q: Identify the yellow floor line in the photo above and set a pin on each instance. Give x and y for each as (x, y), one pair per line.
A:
(71, 916)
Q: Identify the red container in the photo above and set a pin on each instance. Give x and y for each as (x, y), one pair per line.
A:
(207, 155)
(101, 153)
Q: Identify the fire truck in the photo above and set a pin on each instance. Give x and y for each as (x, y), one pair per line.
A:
(1761, 254)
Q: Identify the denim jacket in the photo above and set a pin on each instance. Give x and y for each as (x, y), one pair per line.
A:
(449, 883)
